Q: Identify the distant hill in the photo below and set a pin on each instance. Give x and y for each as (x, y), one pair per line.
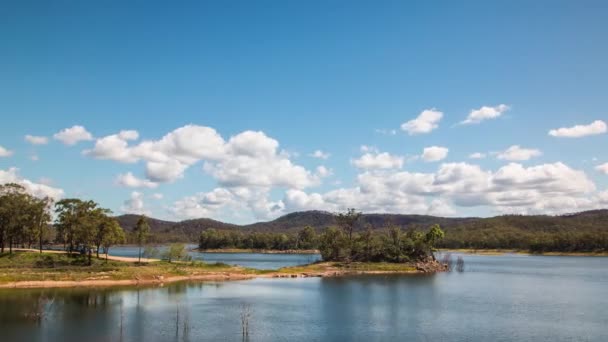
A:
(190, 229)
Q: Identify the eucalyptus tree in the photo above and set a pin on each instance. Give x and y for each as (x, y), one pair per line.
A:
(73, 221)
(113, 235)
(12, 214)
(142, 230)
(40, 218)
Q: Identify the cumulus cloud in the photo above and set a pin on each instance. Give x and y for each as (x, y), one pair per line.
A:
(485, 113)
(130, 181)
(135, 205)
(602, 168)
(157, 196)
(577, 131)
(5, 153)
(37, 189)
(427, 121)
(477, 155)
(220, 201)
(36, 140)
(434, 153)
(373, 159)
(115, 147)
(72, 135)
(517, 153)
(246, 159)
(320, 154)
(323, 172)
(547, 188)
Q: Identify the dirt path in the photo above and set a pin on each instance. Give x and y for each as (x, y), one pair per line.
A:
(102, 257)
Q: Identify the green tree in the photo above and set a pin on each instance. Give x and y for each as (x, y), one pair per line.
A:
(307, 238)
(113, 235)
(142, 230)
(68, 218)
(333, 244)
(176, 251)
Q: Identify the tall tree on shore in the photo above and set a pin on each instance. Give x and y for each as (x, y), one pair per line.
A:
(41, 217)
(113, 234)
(347, 221)
(67, 220)
(142, 229)
(13, 213)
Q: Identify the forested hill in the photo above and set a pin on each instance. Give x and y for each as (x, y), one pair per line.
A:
(459, 231)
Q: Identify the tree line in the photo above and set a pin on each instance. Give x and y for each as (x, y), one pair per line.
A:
(81, 226)
(339, 243)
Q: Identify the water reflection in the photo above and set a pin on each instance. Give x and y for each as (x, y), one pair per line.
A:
(497, 298)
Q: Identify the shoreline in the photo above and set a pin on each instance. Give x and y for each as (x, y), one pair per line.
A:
(258, 251)
(127, 273)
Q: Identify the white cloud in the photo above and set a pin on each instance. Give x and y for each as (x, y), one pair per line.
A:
(130, 181)
(377, 160)
(434, 153)
(72, 135)
(602, 168)
(477, 155)
(135, 205)
(485, 113)
(246, 159)
(157, 196)
(547, 188)
(386, 131)
(517, 153)
(34, 157)
(427, 121)
(5, 153)
(320, 154)
(36, 140)
(37, 189)
(115, 147)
(596, 127)
(323, 172)
(252, 159)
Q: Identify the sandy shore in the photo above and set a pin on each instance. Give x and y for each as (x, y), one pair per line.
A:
(101, 256)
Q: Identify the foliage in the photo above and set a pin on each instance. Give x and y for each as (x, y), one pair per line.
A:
(537, 234)
(142, 230)
(176, 251)
(23, 217)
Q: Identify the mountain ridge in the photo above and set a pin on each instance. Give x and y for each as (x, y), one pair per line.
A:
(321, 219)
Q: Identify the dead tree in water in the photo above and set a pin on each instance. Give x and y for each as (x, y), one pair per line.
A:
(245, 315)
(447, 260)
(460, 264)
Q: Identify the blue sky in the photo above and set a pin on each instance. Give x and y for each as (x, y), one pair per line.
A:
(287, 78)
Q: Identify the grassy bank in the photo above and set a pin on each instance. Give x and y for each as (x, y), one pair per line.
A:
(30, 269)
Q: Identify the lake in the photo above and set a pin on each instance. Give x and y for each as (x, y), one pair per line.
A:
(496, 298)
(259, 261)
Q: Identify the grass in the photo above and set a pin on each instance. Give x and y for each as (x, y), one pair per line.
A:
(29, 266)
(32, 266)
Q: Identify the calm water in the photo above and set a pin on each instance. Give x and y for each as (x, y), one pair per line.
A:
(252, 260)
(497, 298)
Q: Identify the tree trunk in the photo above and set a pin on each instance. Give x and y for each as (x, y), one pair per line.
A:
(97, 251)
(10, 245)
(139, 260)
(107, 254)
(41, 233)
(90, 255)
